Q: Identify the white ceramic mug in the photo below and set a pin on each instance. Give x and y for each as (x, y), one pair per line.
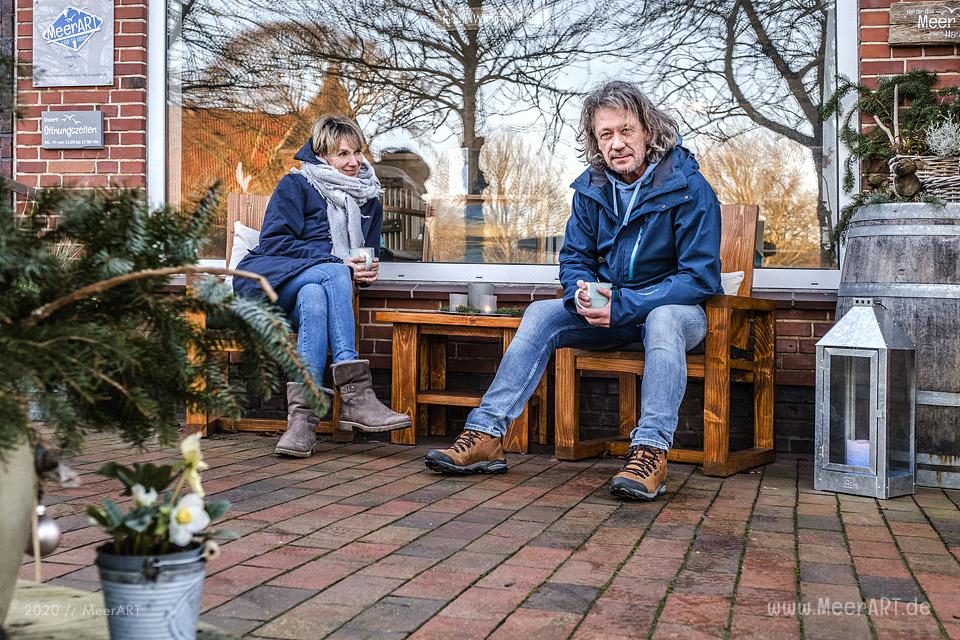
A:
(597, 299)
(366, 252)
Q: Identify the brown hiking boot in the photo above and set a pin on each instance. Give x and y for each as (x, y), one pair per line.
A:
(642, 475)
(472, 452)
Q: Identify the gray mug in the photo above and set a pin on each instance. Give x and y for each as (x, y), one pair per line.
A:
(597, 299)
(366, 252)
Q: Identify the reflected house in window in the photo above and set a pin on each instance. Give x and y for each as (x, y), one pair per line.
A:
(212, 141)
(219, 139)
(403, 175)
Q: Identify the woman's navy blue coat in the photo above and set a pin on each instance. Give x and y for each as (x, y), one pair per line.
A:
(295, 233)
(665, 251)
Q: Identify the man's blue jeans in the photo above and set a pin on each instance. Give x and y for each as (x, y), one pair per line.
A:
(667, 334)
(319, 301)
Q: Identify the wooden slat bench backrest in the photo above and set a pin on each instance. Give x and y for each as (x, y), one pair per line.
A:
(737, 241)
(249, 209)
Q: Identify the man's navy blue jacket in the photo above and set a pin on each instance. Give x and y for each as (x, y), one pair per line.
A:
(296, 234)
(665, 251)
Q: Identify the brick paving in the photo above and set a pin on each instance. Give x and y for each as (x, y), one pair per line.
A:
(360, 541)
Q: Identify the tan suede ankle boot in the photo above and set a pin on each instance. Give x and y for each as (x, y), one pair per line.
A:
(301, 434)
(359, 407)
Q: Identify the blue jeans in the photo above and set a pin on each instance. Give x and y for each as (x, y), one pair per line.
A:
(319, 301)
(668, 333)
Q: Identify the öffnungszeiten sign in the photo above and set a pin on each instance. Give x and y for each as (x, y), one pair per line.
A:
(71, 130)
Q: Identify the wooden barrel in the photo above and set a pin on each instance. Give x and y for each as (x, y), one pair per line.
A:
(907, 256)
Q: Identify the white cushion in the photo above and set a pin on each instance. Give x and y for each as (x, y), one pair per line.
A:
(244, 240)
(730, 282)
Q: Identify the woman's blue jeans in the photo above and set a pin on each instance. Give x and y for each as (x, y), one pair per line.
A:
(667, 334)
(319, 301)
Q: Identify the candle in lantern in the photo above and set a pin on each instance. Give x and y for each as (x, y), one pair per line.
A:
(858, 453)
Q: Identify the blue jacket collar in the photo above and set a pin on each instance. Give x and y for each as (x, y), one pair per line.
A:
(669, 175)
(306, 153)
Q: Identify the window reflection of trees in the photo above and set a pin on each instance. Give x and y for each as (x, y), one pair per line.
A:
(507, 72)
(733, 64)
(780, 184)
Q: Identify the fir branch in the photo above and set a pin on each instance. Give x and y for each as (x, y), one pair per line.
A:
(45, 311)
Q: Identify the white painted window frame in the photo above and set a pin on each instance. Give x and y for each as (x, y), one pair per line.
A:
(157, 103)
(847, 35)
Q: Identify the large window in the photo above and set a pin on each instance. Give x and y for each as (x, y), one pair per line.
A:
(471, 109)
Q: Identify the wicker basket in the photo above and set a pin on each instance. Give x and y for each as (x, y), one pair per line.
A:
(939, 175)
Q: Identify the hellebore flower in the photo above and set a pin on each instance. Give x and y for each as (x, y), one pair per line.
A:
(142, 497)
(187, 518)
(190, 448)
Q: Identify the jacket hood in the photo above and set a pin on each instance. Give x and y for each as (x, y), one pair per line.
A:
(306, 153)
(677, 165)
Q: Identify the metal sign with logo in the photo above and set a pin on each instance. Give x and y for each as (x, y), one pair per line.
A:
(71, 130)
(72, 43)
(914, 23)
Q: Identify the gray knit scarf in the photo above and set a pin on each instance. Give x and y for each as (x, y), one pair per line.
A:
(344, 195)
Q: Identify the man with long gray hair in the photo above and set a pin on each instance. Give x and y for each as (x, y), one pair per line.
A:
(645, 220)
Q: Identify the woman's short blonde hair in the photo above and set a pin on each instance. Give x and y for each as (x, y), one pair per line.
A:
(661, 129)
(329, 131)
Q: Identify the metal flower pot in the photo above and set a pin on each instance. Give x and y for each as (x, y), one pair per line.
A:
(152, 597)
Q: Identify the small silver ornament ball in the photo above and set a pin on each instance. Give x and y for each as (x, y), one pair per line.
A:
(48, 532)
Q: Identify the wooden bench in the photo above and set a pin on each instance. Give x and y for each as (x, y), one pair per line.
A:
(249, 210)
(729, 321)
(419, 384)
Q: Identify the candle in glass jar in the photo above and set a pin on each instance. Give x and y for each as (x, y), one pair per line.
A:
(477, 289)
(488, 303)
(458, 300)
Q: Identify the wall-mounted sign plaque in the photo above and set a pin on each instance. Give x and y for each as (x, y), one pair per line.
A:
(914, 23)
(71, 130)
(72, 43)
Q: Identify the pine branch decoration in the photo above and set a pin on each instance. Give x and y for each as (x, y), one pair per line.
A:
(117, 356)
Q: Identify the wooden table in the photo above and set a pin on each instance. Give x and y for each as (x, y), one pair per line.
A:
(420, 373)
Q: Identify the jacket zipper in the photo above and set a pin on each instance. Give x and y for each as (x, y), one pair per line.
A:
(633, 254)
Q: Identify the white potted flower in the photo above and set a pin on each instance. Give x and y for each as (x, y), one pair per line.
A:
(152, 571)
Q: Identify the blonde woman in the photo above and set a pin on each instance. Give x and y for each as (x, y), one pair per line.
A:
(317, 214)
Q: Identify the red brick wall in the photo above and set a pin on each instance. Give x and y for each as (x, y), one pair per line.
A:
(799, 325)
(801, 321)
(122, 161)
(7, 22)
(878, 59)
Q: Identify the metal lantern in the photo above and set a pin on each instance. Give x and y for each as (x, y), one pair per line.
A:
(866, 398)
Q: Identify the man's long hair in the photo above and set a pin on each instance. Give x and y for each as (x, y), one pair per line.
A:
(660, 128)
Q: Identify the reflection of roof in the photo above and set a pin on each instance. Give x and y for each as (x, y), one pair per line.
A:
(388, 174)
(410, 162)
(215, 140)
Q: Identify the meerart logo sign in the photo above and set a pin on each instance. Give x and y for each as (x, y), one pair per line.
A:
(72, 29)
(947, 18)
(913, 23)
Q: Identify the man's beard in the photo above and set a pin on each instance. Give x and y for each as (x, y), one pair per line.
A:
(632, 168)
